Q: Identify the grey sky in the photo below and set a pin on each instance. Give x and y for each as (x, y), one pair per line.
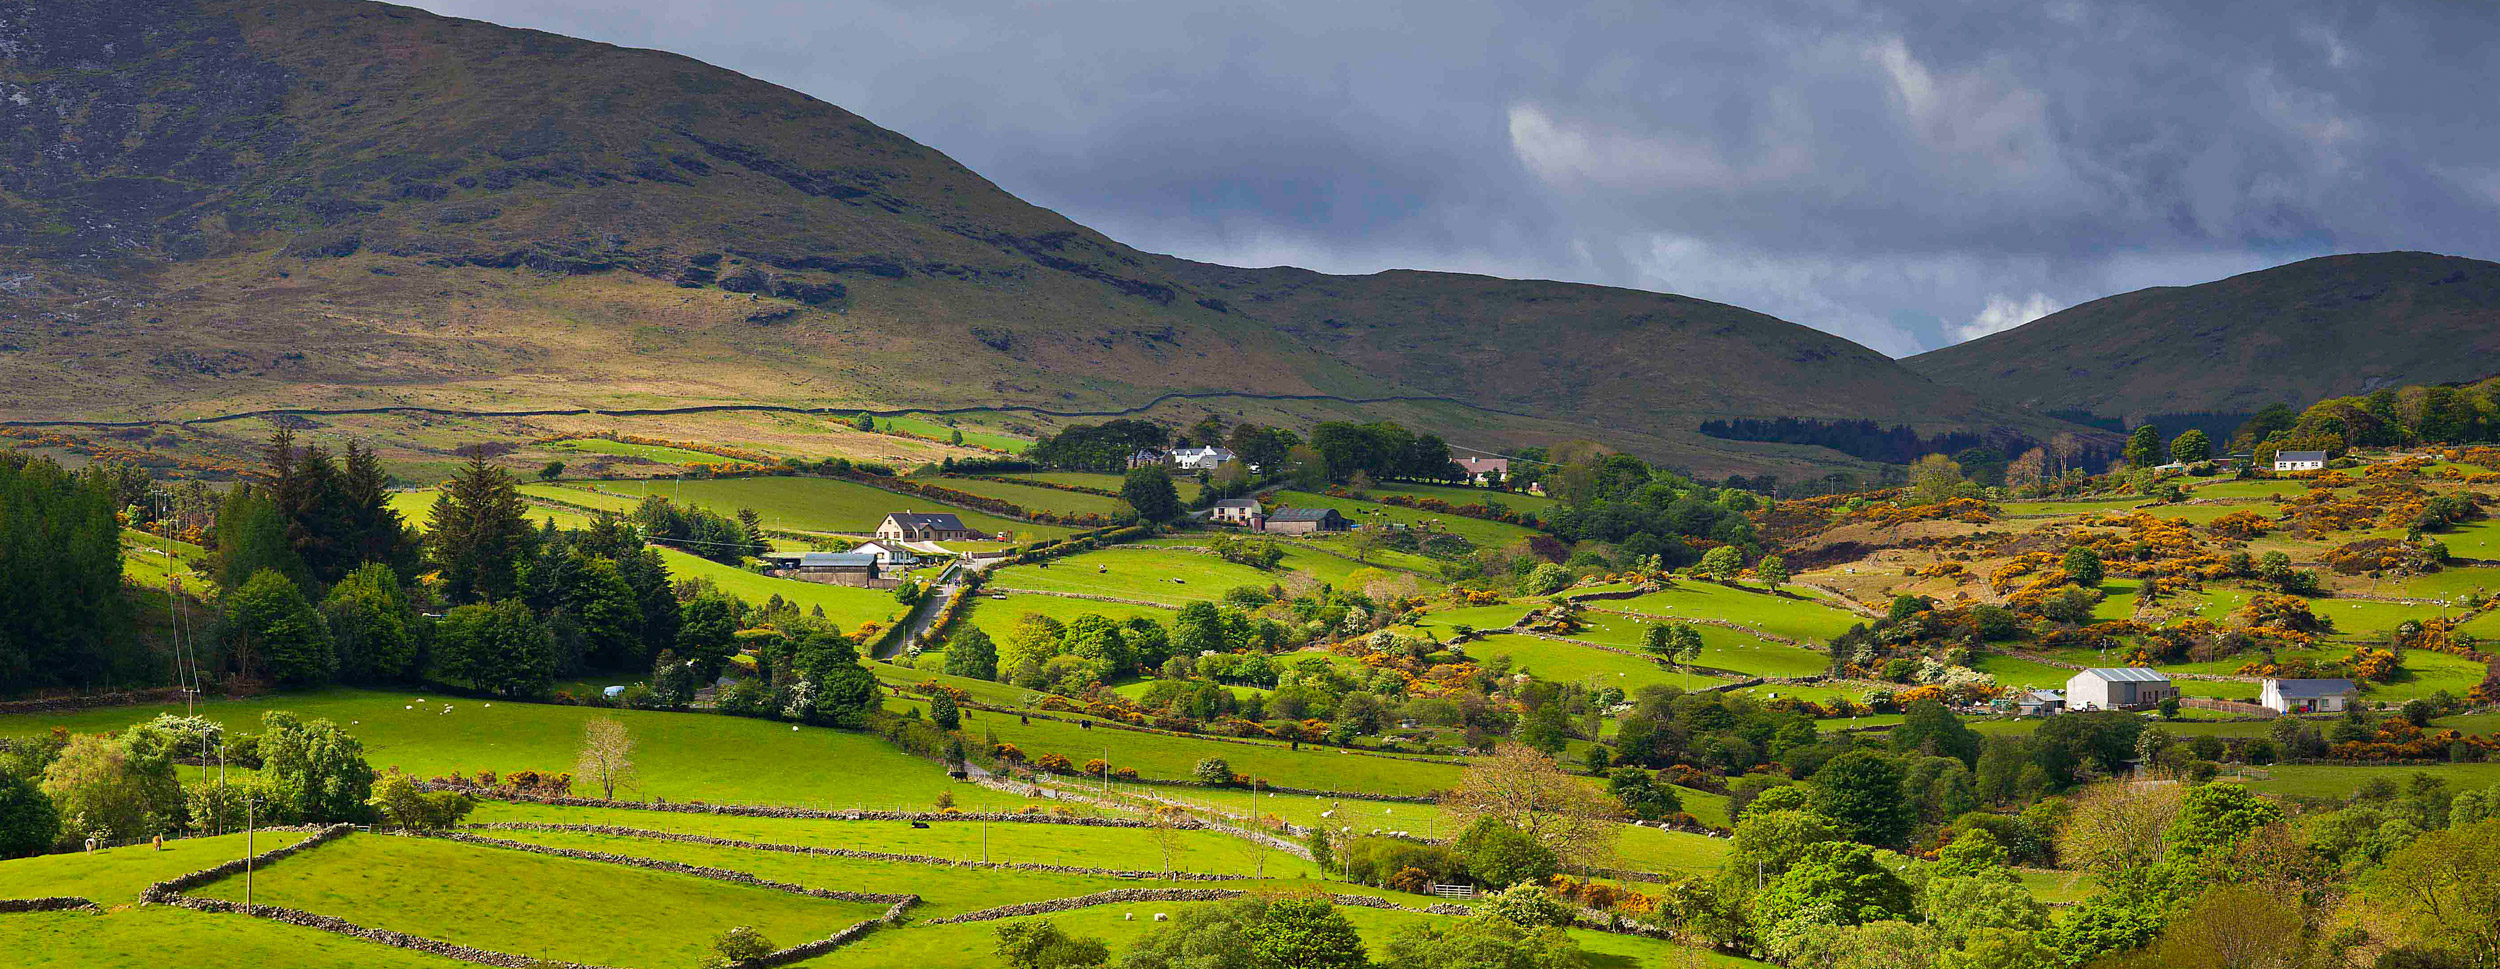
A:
(1903, 174)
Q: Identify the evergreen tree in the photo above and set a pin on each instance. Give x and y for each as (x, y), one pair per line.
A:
(647, 573)
(480, 534)
(271, 630)
(375, 531)
(63, 618)
(250, 537)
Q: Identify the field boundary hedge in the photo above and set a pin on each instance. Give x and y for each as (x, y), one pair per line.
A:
(888, 856)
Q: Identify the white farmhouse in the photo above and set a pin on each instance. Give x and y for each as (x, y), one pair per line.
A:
(1201, 458)
(2299, 460)
(2307, 696)
(2119, 688)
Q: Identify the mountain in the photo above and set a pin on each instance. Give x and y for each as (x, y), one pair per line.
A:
(2325, 327)
(215, 205)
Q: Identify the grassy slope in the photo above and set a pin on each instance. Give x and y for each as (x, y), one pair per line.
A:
(1037, 499)
(1801, 619)
(156, 936)
(681, 757)
(1171, 577)
(529, 904)
(804, 504)
(847, 607)
(116, 876)
(1483, 533)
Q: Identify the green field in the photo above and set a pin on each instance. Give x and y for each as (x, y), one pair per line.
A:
(1187, 486)
(1049, 844)
(150, 562)
(1443, 620)
(535, 905)
(2201, 514)
(2452, 582)
(1799, 619)
(157, 936)
(937, 430)
(2249, 489)
(2020, 509)
(1515, 501)
(800, 504)
(970, 945)
(1170, 577)
(682, 757)
(997, 616)
(1722, 647)
(417, 509)
(2118, 600)
(648, 452)
(1568, 663)
(116, 876)
(1483, 533)
(2018, 672)
(847, 607)
(1173, 757)
(1036, 499)
(2314, 780)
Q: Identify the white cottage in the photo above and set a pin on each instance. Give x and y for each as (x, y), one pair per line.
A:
(2307, 696)
(2300, 460)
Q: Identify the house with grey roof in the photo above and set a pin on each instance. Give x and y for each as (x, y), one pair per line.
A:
(2040, 703)
(1201, 458)
(1238, 511)
(909, 526)
(2307, 696)
(2300, 460)
(2118, 688)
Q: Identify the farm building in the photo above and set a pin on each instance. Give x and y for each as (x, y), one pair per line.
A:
(1201, 458)
(2040, 703)
(2307, 696)
(2121, 688)
(906, 526)
(1304, 521)
(1484, 471)
(1243, 511)
(856, 569)
(2299, 460)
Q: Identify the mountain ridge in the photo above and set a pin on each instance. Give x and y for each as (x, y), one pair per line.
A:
(2325, 327)
(226, 205)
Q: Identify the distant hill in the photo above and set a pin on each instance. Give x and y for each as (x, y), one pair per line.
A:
(2326, 327)
(214, 206)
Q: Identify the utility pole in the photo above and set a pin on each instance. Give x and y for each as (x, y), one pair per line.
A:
(247, 852)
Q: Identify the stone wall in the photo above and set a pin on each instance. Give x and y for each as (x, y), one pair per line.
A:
(670, 867)
(771, 811)
(49, 903)
(166, 891)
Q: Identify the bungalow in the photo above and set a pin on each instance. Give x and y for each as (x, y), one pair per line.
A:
(2307, 696)
(890, 553)
(2120, 688)
(1304, 521)
(2040, 703)
(1485, 471)
(905, 526)
(2299, 460)
(1239, 511)
(1201, 458)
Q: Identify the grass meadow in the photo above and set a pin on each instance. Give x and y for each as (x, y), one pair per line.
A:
(799, 504)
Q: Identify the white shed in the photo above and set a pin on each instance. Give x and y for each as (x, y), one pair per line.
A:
(2117, 688)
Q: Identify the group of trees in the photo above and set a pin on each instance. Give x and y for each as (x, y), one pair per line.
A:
(2387, 417)
(1643, 510)
(2145, 449)
(60, 791)
(63, 620)
(1518, 929)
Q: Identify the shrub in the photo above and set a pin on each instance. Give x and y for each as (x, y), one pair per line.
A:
(1214, 772)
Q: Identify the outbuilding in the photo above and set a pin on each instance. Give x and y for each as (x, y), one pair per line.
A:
(2118, 688)
(1304, 521)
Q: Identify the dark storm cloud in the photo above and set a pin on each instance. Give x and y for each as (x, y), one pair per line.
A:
(1902, 174)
